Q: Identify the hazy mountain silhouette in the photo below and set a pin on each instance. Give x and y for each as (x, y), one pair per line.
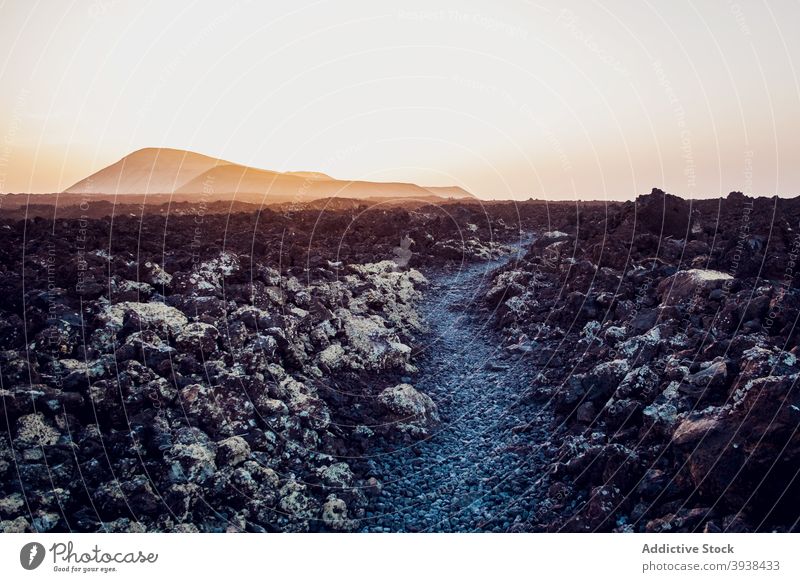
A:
(159, 171)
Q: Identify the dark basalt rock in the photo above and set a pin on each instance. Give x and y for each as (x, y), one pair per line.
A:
(237, 381)
(705, 326)
(173, 384)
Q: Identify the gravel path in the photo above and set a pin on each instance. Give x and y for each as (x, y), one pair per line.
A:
(476, 473)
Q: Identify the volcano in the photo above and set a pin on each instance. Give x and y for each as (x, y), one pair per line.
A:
(185, 174)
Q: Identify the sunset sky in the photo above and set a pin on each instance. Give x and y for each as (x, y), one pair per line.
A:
(601, 100)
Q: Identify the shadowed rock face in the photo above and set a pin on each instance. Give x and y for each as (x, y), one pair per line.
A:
(673, 372)
(664, 214)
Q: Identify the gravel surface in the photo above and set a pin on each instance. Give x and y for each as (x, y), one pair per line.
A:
(478, 471)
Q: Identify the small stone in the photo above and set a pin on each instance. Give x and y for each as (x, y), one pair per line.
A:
(232, 451)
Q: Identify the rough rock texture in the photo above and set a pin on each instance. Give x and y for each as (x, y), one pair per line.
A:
(664, 339)
(415, 413)
(213, 370)
(167, 379)
(168, 412)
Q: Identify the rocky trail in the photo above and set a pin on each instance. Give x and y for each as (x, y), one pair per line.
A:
(477, 471)
(293, 388)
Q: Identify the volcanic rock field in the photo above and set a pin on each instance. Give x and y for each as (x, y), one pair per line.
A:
(381, 367)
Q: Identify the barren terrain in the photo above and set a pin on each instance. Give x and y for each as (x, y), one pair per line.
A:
(346, 365)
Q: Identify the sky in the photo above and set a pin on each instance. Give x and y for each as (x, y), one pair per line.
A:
(513, 99)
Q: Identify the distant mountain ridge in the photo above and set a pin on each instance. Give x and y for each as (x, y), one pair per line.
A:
(160, 171)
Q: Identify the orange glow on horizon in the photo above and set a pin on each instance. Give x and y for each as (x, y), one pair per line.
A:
(514, 100)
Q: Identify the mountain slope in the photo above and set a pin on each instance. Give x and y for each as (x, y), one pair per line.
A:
(247, 182)
(146, 171)
(153, 171)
